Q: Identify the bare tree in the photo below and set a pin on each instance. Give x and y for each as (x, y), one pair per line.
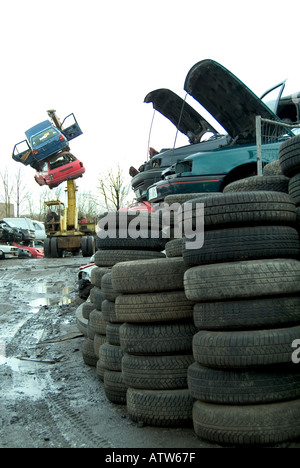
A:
(20, 192)
(7, 189)
(113, 189)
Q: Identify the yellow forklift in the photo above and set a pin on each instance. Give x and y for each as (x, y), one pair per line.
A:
(64, 233)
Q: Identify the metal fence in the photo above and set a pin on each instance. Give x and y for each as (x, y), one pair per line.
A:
(268, 134)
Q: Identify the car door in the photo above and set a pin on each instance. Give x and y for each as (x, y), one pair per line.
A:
(22, 153)
(72, 130)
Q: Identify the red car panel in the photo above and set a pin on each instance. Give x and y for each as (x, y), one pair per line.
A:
(59, 168)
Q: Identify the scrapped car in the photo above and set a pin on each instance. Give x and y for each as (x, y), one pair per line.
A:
(40, 232)
(59, 168)
(235, 107)
(8, 251)
(25, 227)
(29, 251)
(9, 234)
(44, 140)
(200, 134)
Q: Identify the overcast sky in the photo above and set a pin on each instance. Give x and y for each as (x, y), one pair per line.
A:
(99, 59)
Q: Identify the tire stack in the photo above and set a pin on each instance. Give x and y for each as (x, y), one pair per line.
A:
(96, 333)
(115, 248)
(245, 282)
(289, 161)
(156, 338)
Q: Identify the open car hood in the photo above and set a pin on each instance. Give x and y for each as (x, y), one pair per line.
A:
(180, 113)
(227, 99)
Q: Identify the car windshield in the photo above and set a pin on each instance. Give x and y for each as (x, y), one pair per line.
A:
(44, 136)
(60, 161)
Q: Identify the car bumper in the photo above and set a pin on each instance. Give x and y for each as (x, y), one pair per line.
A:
(180, 185)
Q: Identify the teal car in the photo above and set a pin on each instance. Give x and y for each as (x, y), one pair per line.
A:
(235, 107)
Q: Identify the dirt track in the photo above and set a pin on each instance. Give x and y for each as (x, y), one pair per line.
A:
(49, 397)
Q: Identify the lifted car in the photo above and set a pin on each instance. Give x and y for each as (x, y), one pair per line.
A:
(44, 140)
(59, 168)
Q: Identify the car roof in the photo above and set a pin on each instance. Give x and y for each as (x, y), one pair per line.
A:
(180, 113)
(19, 222)
(227, 99)
(38, 128)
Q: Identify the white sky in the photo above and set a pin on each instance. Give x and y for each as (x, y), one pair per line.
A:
(99, 59)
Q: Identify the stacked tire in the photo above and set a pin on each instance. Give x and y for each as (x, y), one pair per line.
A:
(114, 247)
(245, 282)
(156, 338)
(289, 160)
(96, 326)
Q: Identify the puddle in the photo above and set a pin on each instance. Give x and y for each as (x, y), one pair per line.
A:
(52, 296)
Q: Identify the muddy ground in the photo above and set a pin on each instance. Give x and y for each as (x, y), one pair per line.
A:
(48, 397)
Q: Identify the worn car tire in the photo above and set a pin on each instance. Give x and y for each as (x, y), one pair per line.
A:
(289, 156)
(243, 209)
(156, 372)
(240, 387)
(247, 314)
(110, 357)
(88, 353)
(157, 338)
(107, 289)
(96, 297)
(294, 189)
(114, 387)
(275, 183)
(111, 257)
(162, 408)
(113, 333)
(165, 274)
(245, 243)
(96, 275)
(272, 168)
(97, 323)
(174, 248)
(244, 349)
(242, 280)
(153, 307)
(147, 242)
(271, 423)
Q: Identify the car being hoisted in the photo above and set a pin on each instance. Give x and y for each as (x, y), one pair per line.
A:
(44, 140)
(59, 168)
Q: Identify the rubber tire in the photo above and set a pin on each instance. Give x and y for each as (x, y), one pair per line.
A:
(245, 243)
(272, 169)
(165, 274)
(157, 338)
(96, 275)
(274, 183)
(88, 353)
(107, 289)
(111, 257)
(271, 423)
(294, 189)
(108, 311)
(247, 314)
(242, 280)
(55, 252)
(110, 357)
(97, 323)
(289, 156)
(156, 372)
(147, 243)
(243, 209)
(244, 349)
(161, 408)
(114, 387)
(174, 248)
(229, 387)
(153, 307)
(47, 247)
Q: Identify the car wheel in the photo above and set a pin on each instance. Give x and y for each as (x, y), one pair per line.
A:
(55, 251)
(47, 247)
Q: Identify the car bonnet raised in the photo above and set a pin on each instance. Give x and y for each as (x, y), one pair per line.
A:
(180, 113)
(227, 99)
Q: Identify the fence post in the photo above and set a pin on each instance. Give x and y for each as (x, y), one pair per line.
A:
(258, 144)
